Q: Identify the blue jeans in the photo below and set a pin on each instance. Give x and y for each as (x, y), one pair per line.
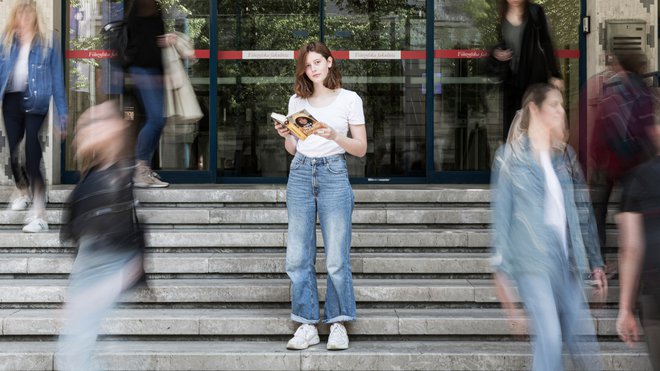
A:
(149, 88)
(558, 310)
(320, 186)
(99, 276)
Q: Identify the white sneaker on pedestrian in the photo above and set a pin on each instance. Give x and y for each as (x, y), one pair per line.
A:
(306, 335)
(35, 226)
(20, 203)
(338, 339)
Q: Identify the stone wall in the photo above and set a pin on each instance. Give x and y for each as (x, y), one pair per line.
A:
(601, 11)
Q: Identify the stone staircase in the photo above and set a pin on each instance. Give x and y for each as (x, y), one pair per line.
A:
(219, 295)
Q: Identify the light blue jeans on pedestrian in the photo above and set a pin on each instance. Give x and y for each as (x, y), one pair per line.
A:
(557, 309)
(99, 276)
(320, 186)
(149, 89)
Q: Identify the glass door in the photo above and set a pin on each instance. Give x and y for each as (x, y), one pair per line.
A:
(256, 43)
(467, 124)
(183, 151)
(379, 47)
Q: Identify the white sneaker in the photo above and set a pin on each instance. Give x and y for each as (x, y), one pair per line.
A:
(21, 203)
(35, 226)
(306, 335)
(338, 339)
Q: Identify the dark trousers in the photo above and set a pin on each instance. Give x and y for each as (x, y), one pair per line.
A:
(601, 189)
(19, 124)
(511, 103)
(601, 185)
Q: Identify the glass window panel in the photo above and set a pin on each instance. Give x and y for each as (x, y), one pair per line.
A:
(468, 114)
(468, 106)
(92, 79)
(250, 89)
(185, 146)
(391, 89)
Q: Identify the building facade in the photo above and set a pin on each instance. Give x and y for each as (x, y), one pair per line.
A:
(432, 115)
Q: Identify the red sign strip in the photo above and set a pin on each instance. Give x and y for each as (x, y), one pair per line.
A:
(339, 54)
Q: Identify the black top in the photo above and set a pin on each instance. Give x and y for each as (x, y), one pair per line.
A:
(102, 206)
(537, 61)
(143, 33)
(643, 196)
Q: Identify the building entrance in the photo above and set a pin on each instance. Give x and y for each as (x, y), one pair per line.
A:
(432, 115)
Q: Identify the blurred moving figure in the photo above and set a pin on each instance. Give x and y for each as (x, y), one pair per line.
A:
(544, 232)
(526, 50)
(639, 256)
(30, 74)
(620, 137)
(101, 219)
(146, 37)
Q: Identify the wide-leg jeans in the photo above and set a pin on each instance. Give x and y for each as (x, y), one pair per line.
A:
(558, 310)
(320, 186)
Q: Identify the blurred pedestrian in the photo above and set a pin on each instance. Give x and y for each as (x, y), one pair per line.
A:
(30, 74)
(318, 186)
(146, 37)
(620, 138)
(639, 256)
(101, 219)
(544, 234)
(525, 46)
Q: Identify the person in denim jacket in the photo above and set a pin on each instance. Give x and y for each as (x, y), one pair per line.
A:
(318, 185)
(30, 74)
(545, 237)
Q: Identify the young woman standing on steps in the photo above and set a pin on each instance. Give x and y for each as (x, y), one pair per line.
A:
(318, 185)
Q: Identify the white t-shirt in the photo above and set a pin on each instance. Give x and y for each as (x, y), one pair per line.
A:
(344, 110)
(19, 75)
(555, 212)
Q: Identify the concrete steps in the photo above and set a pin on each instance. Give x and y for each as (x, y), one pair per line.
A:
(271, 290)
(191, 215)
(219, 297)
(276, 237)
(265, 263)
(275, 322)
(271, 355)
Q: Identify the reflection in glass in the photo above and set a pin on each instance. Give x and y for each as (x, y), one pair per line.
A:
(250, 89)
(468, 105)
(391, 89)
(92, 79)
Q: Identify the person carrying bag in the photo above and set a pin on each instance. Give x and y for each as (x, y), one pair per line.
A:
(182, 110)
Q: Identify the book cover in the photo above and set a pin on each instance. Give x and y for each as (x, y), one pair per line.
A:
(301, 123)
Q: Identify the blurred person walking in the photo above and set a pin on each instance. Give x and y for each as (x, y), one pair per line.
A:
(525, 51)
(620, 137)
(639, 256)
(318, 185)
(544, 233)
(31, 73)
(101, 219)
(146, 37)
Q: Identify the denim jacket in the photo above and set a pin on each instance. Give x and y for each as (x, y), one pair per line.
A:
(45, 76)
(522, 241)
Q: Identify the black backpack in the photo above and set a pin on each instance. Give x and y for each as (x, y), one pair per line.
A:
(115, 38)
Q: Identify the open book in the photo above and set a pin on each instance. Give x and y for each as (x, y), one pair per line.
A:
(301, 123)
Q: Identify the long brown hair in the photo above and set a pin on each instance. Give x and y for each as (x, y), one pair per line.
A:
(303, 86)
